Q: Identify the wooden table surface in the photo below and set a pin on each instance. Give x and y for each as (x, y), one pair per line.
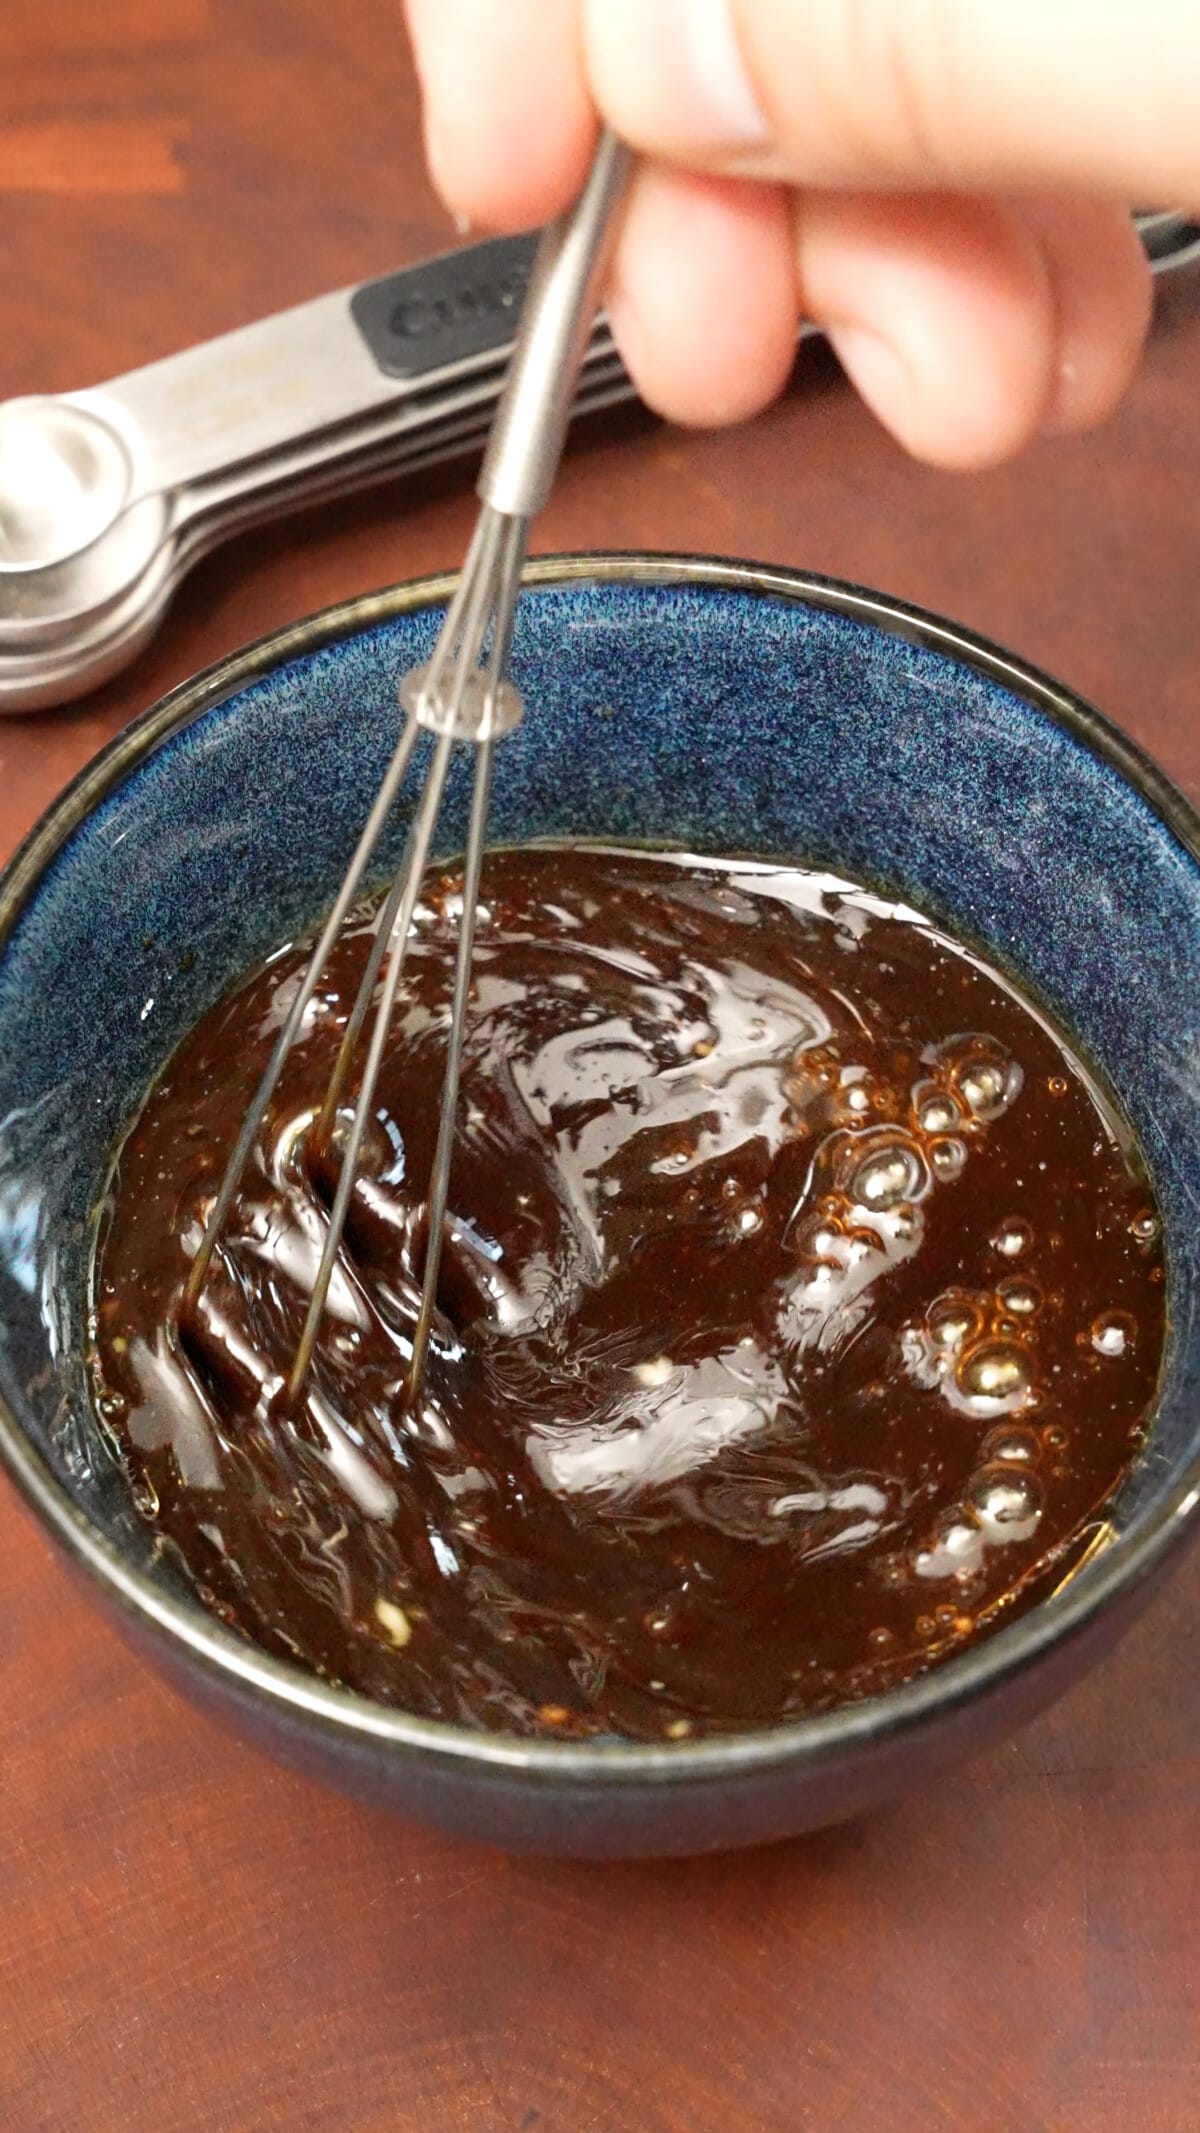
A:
(190, 1939)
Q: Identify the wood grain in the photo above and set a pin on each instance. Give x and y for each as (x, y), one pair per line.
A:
(77, 30)
(99, 157)
(191, 1939)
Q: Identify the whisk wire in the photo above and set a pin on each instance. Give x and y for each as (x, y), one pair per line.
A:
(326, 1121)
(415, 862)
(251, 1124)
(460, 696)
(439, 1183)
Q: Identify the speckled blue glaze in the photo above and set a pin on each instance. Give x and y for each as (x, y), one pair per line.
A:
(721, 710)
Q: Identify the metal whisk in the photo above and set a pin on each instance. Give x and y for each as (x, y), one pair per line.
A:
(461, 696)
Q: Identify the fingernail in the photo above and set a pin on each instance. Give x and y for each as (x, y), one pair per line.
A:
(875, 369)
(693, 74)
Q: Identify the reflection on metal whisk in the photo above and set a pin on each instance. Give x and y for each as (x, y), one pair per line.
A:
(460, 697)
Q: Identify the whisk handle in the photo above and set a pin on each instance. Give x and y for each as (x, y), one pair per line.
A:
(556, 319)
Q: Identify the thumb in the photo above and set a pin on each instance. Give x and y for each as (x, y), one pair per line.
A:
(967, 95)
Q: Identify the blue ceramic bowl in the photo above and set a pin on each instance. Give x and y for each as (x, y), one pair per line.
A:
(712, 705)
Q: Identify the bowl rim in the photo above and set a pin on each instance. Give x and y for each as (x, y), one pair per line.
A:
(888, 1717)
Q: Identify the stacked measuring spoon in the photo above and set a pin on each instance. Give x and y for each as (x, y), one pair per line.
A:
(109, 495)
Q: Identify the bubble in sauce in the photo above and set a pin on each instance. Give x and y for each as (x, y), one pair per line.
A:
(857, 1088)
(938, 1114)
(889, 1176)
(993, 1376)
(989, 1084)
(948, 1157)
(952, 1320)
(1113, 1333)
(1011, 1444)
(1006, 1501)
(1012, 1237)
(1144, 1226)
(1021, 1298)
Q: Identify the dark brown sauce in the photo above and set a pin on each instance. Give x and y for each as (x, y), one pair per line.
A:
(802, 1308)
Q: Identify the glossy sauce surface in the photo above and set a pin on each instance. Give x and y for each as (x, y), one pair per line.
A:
(801, 1308)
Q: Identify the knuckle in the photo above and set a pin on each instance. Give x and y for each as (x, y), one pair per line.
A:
(898, 83)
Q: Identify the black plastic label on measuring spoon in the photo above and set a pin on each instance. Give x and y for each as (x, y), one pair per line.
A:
(447, 310)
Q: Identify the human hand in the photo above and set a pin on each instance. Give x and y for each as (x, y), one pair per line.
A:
(943, 185)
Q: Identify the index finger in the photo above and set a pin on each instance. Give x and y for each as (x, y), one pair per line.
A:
(509, 123)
